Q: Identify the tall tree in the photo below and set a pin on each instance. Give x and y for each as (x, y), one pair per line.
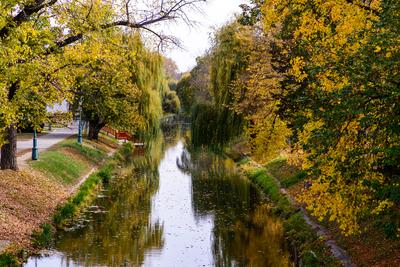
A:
(337, 62)
(33, 33)
(105, 86)
(193, 88)
(229, 58)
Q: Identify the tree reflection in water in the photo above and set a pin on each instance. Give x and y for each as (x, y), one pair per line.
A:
(200, 196)
(122, 235)
(245, 233)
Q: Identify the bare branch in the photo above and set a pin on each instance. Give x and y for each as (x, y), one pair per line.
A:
(127, 11)
(90, 9)
(24, 15)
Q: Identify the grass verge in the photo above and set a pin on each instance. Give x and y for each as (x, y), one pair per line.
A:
(68, 161)
(7, 259)
(287, 174)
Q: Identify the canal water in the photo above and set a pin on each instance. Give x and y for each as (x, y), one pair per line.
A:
(173, 208)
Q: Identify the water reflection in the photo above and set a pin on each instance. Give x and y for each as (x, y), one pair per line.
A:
(175, 208)
(244, 233)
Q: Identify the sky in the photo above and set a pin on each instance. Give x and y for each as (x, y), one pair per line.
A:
(196, 40)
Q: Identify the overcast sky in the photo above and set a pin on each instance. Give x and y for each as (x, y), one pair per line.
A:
(196, 40)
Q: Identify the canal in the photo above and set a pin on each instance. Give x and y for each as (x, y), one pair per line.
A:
(173, 208)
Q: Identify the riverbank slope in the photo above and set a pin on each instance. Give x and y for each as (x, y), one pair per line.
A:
(29, 198)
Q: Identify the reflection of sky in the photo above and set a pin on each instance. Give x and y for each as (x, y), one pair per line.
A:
(187, 241)
(196, 40)
(54, 259)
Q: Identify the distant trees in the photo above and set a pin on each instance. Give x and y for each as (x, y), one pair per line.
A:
(193, 86)
(171, 69)
(170, 100)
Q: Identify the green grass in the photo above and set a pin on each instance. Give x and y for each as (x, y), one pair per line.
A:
(73, 205)
(109, 137)
(295, 179)
(44, 237)
(85, 194)
(87, 190)
(65, 167)
(62, 167)
(7, 259)
(92, 154)
(313, 250)
(270, 187)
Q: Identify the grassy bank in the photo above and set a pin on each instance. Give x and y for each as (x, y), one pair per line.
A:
(68, 161)
(310, 248)
(38, 199)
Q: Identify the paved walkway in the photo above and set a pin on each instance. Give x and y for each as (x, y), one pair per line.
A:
(48, 140)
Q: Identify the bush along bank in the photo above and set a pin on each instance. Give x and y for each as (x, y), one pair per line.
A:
(70, 209)
(309, 249)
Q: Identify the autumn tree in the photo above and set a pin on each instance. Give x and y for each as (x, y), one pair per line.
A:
(170, 99)
(340, 81)
(33, 33)
(171, 69)
(104, 86)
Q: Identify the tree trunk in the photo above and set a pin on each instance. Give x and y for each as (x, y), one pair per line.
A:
(9, 150)
(94, 129)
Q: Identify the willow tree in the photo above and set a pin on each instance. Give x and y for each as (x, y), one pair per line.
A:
(229, 59)
(151, 80)
(32, 35)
